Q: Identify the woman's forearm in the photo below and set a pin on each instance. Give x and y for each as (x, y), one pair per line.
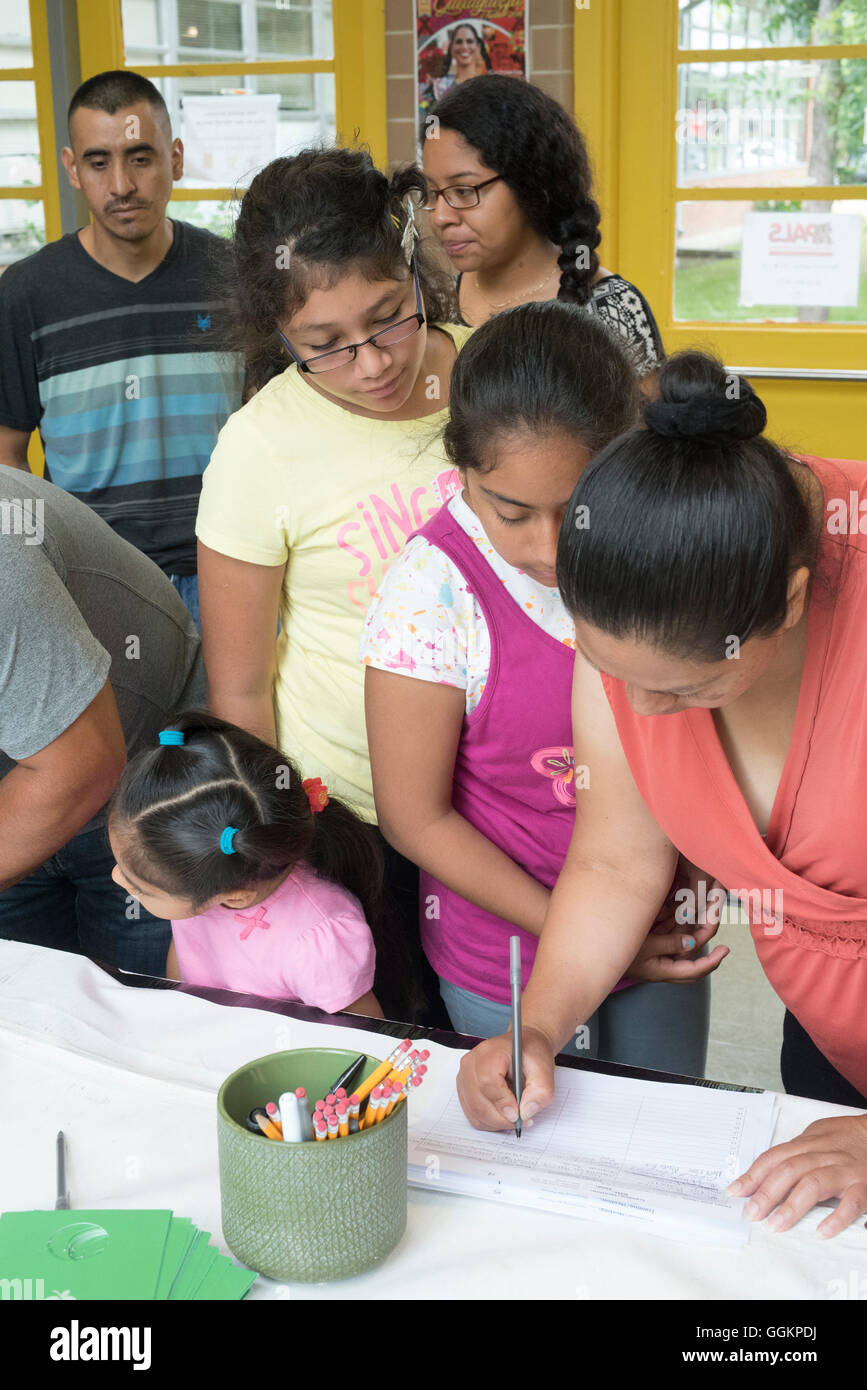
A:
(467, 862)
(595, 924)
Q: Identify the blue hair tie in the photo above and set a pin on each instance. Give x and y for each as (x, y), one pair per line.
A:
(226, 839)
(172, 736)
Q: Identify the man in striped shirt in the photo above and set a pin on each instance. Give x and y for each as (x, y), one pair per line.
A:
(112, 339)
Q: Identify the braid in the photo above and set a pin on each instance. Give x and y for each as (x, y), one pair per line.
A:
(578, 238)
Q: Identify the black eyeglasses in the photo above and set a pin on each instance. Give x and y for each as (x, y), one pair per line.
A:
(463, 195)
(341, 357)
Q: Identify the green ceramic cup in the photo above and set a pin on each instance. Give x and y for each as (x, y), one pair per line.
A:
(310, 1211)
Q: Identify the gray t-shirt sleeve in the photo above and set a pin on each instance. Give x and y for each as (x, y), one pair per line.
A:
(51, 665)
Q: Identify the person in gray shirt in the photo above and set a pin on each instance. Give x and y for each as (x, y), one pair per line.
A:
(97, 652)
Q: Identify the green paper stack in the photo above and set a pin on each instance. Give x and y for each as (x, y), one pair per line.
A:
(113, 1254)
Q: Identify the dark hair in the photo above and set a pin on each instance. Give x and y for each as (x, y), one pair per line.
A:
(539, 367)
(173, 802)
(684, 533)
(112, 91)
(332, 210)
(447, 60)
(535, 146)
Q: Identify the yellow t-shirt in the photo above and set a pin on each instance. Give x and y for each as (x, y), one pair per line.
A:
(295, 476)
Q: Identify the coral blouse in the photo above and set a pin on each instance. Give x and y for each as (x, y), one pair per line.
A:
(805, 883)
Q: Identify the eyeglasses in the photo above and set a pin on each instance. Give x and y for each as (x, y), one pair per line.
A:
(341, 357)
(457, 195)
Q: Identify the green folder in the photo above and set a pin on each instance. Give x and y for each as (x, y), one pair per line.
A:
(199, 1260)
(113, 1254)
(225, 1280)
(82, 1254)
(182, 1233)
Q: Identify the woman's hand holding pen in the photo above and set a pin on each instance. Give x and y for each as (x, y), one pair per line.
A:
(484, 1091)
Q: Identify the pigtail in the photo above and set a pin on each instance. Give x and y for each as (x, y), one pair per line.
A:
(347, 850)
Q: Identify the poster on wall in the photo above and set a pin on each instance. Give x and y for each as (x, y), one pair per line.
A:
(228, 138)
(456, 41)
(809, 258)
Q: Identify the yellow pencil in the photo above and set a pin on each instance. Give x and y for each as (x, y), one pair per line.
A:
(364, 1090)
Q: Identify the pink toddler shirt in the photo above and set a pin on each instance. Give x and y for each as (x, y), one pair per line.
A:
(307, 942)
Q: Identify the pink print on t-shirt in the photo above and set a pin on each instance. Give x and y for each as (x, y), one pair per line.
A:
(384, 528)
(559, 765)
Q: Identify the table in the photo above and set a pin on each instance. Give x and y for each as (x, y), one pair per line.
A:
(129, 1067)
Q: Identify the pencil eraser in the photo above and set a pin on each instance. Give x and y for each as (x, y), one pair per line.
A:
(424, 1054)
(330, 1098)
(407, 1042)
(342, 1107)
(353, 1099)
(340, 1093)
(415, 1081)
(300, 1092)
(376, 1092)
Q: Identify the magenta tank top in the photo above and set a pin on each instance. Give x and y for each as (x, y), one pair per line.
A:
(514, 775)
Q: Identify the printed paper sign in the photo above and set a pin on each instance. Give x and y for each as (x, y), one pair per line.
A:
(228, 138)
(801, 258)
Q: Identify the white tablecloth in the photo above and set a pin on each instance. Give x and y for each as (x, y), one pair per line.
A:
(131, 1075)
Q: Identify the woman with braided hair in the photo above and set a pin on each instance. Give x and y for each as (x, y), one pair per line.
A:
(510, 197)
(718, 587)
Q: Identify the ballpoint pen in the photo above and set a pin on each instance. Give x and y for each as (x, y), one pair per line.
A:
(62, 1203)
(515, 980)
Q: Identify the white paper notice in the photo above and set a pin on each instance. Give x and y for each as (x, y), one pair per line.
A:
(227, 138)
(655, 1154)
(810, 258)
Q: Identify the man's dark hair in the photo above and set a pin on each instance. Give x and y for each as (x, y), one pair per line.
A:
(112, 91)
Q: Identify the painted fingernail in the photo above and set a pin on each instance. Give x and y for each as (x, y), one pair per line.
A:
(688, 942)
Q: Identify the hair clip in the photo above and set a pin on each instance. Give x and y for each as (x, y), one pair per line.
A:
(172, 736)
(407, 241)
(317, 793)
(226, 839)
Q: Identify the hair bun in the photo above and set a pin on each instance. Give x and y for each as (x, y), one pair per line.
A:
(740, 417)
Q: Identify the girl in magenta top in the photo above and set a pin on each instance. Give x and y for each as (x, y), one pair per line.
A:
(469, 653)
(721, 591)
(272, 886)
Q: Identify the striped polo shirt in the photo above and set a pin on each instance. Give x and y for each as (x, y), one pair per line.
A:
(128, 384)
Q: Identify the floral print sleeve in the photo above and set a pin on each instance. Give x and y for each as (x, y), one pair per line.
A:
(423, 622)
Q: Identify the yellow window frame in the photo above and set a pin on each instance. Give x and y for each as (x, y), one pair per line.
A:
(358, 66)
(626, 98)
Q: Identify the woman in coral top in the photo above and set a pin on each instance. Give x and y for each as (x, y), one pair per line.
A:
(720, 588)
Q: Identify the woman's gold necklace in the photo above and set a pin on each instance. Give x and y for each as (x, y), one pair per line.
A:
(520, 295)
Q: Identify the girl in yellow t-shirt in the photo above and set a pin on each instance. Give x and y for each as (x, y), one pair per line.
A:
(317, 482)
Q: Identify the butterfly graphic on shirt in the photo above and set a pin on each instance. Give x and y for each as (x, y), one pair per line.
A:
(559, 765)
(203, 321)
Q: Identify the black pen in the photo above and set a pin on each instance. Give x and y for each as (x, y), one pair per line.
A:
(517, 1066)
(344, 1078)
